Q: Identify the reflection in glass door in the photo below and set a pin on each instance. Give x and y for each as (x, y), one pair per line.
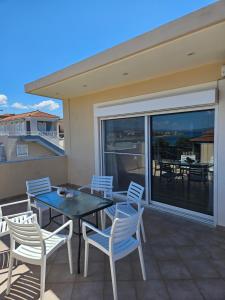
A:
(123, 151)
(182, 160)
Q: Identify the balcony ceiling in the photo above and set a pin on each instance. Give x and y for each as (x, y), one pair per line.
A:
(189, 42)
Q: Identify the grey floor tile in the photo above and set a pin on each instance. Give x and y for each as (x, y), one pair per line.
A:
(183, 290)
(56, 291)
(212, 289)
(96, 272)
(164, 253)
(220, 266)
(125, 290)
(124, 270)
(151, 268)
(151, 290)
(60, 273)
(201, 268)
(192, 252)
(87, 291)
(216, 252)
(173, 269)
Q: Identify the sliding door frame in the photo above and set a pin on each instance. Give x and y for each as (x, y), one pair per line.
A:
(99, 150)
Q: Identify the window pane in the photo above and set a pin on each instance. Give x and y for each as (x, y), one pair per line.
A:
(182, 160)
(124, 151)
(22, 150)
(125, 135)
(125, 168)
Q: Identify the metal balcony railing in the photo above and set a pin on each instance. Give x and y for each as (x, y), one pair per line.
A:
(51, 133)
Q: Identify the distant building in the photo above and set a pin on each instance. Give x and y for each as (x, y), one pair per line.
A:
(29, 135)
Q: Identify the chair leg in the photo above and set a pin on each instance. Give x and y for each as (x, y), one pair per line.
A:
(63, 219)
(86, 257)
(142, 261)
(40, 217)
(103, 218)
(11, 259)
(113, 275)
(43, 274)
(143, 231)
(70, 256)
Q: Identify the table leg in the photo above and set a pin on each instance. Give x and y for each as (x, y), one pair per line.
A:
(79, 245)
(50, 219)
(96, 219)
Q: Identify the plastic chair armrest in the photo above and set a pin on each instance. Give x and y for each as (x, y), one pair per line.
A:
(87, 225)
(68, 223)
(13, 203)
(55, 187)
(84, 186)
(30, 195)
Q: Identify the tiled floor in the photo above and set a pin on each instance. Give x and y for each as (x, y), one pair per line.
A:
(184, 260)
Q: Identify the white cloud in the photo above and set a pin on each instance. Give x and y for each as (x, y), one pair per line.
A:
(19, 105)
(3, 100)
(45, 104)
(49, 104)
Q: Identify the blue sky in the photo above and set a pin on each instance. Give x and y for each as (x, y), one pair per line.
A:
(40, 37)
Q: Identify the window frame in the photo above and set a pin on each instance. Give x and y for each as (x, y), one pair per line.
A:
(24, 153)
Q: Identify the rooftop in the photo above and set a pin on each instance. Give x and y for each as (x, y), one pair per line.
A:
(184, 260)
(3, 116)
(32, 114)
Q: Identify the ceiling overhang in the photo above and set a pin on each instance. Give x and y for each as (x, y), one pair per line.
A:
(191, 41)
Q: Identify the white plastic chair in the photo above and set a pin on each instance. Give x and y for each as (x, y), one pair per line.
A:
(19, 217)
(130, 203)
(102, 184)
(38, 187)
(117, 242)
(36, 245)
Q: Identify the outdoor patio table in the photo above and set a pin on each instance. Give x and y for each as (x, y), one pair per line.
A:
(76, 208)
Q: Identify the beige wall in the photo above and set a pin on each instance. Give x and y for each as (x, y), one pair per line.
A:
(34, 149)
(13, 175)
(78, 115)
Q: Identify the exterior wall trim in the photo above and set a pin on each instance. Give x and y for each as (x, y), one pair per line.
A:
(199, 95)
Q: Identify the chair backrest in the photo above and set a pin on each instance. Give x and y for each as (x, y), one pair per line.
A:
(183, 158)
(38, 186)
(18, 203)
(165, 167)
(198, 173)
(27, 233)
(102, 184)
(125, 227)
(135, 193)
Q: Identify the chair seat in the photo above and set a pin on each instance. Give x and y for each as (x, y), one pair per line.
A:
(120, 249)
(128, 209)
(34, 253)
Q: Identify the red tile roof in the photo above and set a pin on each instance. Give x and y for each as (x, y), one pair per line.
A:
(6, 116)
(34, 114)
(206, 137)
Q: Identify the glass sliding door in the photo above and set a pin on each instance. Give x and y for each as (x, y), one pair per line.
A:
(123, 151)
(182, 160)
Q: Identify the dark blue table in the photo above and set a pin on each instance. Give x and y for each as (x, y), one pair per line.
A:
(76, 208)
